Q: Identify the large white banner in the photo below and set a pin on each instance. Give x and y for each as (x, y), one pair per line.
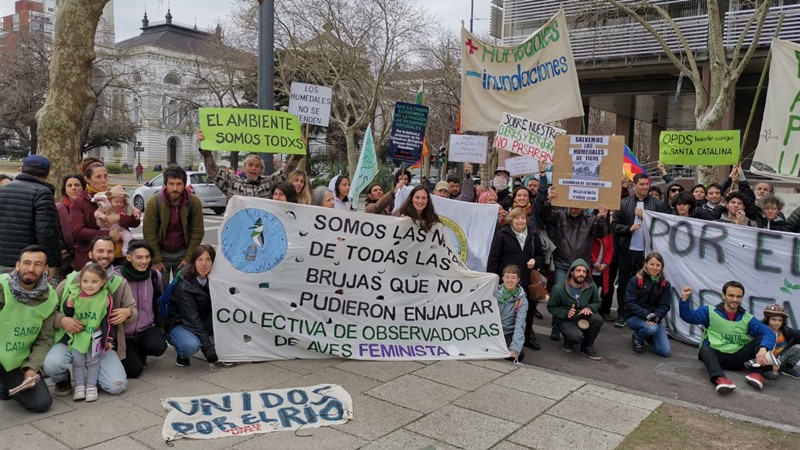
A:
(705, 255)
(778, 151)
(297, 281)
(248, 413)
(469, 226)
(536, 78)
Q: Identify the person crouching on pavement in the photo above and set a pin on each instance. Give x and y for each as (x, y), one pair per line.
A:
(731, 336)
(647, 301)
(574, 305)
(513, 306)
(787, 342)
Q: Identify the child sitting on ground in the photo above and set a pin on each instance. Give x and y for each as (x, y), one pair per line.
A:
(113, 204)
(513, 306)
(787, 343)
(92, 307)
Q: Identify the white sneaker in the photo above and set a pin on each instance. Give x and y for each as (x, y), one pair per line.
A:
(91, 393)
(79, 393)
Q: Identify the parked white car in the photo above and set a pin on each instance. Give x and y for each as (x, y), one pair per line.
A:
(209, 194)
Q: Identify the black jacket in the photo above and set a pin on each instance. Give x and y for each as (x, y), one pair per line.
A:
(573, 236)
(643, 296)
(191, 306)
(28, 216)
(624, 218)
(506, 250)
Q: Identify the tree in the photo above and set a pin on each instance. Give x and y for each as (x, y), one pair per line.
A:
(353, 47)
(62, 116)
(725, 67)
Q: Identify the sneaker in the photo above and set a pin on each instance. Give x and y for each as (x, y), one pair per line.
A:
(771, 375)
(789, 372)
(567, 347)
(619, 323)
(182, 362)
(589, 352)
(755, 380)
(91, 394)
(63, 388)
(80, 393)
(638, 346)
(555, 334)
(724, 385)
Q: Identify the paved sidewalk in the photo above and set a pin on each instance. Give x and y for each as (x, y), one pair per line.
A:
(397, 405)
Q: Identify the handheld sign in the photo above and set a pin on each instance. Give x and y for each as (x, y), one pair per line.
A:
(526, 137)
(588, 171)
(521, 165)
(710, 148)
(251, 131)
(408, 131)
(311, 103)
(467, 148)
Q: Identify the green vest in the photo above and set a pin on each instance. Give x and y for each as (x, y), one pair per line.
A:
(727, 336)
(20, 325)
(90, 311)
(74, 289)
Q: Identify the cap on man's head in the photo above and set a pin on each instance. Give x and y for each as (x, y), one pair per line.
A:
(442, 185)
(503, 171)
(36, 165)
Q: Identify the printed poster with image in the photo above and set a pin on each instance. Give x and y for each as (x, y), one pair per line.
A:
(296, 281)
(588, 171)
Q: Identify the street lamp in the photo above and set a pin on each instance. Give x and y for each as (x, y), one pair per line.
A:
(266, 64)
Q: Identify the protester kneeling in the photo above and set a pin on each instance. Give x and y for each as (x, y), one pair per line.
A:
(574, 305)
(648, 298)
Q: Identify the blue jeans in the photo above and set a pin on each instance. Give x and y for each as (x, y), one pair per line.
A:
(655, 334)
(112, 377)
(560, 276)
(185, 342)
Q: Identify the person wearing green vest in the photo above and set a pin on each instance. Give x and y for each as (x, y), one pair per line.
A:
(731, 336)
(112, 378)
(27, 312)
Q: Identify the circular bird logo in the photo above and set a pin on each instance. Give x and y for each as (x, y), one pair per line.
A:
(254, 241)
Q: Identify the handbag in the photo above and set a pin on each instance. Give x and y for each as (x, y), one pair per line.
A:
(536, 290)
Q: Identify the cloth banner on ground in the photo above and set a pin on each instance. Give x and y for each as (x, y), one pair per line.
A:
(778, 151)
(248, 413)
(297, 281)
(469, 226)
(536, 78)
(366, 169)
(705, 255)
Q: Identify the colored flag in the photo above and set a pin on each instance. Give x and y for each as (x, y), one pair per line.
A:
(366, 169)
(630, 165)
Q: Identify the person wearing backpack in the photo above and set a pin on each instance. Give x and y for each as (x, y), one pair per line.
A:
(173, 224)
(145, 336)
(648, 299)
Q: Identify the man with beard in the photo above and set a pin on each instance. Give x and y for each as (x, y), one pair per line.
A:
(574, 305)
(173, 225)
(27, 312)
(123, 312)
(378, 202)
(731, 337)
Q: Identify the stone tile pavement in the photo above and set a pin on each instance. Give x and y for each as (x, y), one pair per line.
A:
(397, 405)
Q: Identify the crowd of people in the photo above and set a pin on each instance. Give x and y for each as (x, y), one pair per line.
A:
(79, 300)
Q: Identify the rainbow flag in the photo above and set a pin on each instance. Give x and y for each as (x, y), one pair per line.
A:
(630, 165)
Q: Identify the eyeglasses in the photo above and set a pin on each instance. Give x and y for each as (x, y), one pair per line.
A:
(676, 190)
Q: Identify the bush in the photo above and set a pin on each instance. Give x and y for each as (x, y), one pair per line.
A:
(114, 168)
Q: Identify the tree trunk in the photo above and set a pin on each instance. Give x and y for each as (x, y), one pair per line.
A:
(352, 161)
(61, 118)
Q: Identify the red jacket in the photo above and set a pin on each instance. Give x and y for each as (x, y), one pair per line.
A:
(84, 227)
(608, 253)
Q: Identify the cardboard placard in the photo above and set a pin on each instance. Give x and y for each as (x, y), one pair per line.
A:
(408, 131)
(467, 148)
(311, 103)
(588, 171)
(251, 131)
(710, 148)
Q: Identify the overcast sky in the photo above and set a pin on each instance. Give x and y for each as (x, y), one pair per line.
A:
(128, 13)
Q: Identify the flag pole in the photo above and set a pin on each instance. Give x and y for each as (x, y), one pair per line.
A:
(758, 90)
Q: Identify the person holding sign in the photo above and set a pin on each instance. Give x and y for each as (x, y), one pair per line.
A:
(519, 244)
(254, 183)
(455, 190)
(731, 336)
(419, 208)
(377, 201)
(28, 303)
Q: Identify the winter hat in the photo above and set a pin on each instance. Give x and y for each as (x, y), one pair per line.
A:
(502, 170)
(36, 165)
(117, 191)
(775, 311)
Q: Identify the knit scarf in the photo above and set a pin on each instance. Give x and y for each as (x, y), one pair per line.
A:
(131, 274)
(91, 191)
(528, 207)
(506, 294)
(23, 295)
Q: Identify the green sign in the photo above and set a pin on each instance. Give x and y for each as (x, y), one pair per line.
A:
(251, 131)
(709, 148)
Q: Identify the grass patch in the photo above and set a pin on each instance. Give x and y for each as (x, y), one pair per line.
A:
(671, 427)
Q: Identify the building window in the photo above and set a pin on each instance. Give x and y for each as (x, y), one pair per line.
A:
(136, 111)
(172, 79)
(170, 114)
(136, 76)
